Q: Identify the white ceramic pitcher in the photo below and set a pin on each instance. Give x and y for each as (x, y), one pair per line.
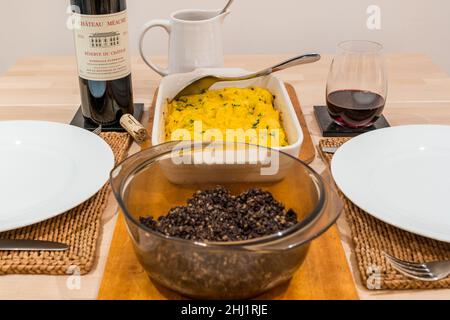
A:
(195, 40)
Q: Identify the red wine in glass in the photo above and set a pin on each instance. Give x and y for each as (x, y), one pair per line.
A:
(355, 108)
(357, 84)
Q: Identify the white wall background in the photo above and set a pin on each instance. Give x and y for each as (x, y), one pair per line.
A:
(30, 27)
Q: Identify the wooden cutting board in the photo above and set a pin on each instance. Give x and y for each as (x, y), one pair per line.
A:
(324, 274)
(307, 151)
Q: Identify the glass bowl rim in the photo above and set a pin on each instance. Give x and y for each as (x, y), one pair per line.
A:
(298, 227)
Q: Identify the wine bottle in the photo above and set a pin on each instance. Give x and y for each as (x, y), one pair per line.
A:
(103, 58)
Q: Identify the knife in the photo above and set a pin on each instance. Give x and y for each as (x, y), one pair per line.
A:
(331, 150)
(31, 245)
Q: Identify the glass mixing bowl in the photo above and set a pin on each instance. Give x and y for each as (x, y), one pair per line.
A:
(157, 179)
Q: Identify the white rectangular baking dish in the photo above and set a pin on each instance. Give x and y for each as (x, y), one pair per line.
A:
(172, 84)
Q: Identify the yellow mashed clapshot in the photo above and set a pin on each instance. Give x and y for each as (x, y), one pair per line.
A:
(229, 114)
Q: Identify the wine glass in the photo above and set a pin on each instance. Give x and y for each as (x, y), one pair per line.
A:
(357, 84)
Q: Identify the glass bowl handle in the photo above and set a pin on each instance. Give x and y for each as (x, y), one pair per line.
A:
(332, 210)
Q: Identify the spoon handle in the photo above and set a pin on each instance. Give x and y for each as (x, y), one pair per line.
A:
(303, 59)
(226, 7)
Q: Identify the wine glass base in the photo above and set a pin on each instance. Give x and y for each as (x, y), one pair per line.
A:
(330, 128)
(346, 125)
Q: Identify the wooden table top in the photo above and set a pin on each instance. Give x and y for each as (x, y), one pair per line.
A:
(46, 88)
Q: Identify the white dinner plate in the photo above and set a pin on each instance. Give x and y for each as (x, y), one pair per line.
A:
(400, 175)
(46, 169)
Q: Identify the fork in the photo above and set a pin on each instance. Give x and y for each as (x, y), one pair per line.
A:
(98, 130)
(428, 271)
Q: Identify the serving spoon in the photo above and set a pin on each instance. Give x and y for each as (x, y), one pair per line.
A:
(203, 83)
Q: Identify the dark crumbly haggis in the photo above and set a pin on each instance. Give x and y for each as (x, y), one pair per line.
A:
(217, 215)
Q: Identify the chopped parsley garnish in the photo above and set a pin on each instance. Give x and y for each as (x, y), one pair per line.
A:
(255, 125)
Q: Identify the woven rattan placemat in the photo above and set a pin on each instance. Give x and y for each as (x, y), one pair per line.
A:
(371, 237)
(79, 228)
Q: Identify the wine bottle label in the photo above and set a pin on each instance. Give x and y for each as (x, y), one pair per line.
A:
(102, 46)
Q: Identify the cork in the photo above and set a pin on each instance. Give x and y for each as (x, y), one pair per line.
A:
(134, 128)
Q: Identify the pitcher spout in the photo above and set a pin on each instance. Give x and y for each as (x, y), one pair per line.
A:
(222, 16)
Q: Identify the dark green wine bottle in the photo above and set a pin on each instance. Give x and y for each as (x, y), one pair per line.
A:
(103, 57)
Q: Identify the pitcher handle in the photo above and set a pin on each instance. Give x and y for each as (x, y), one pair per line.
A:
(166, 25)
